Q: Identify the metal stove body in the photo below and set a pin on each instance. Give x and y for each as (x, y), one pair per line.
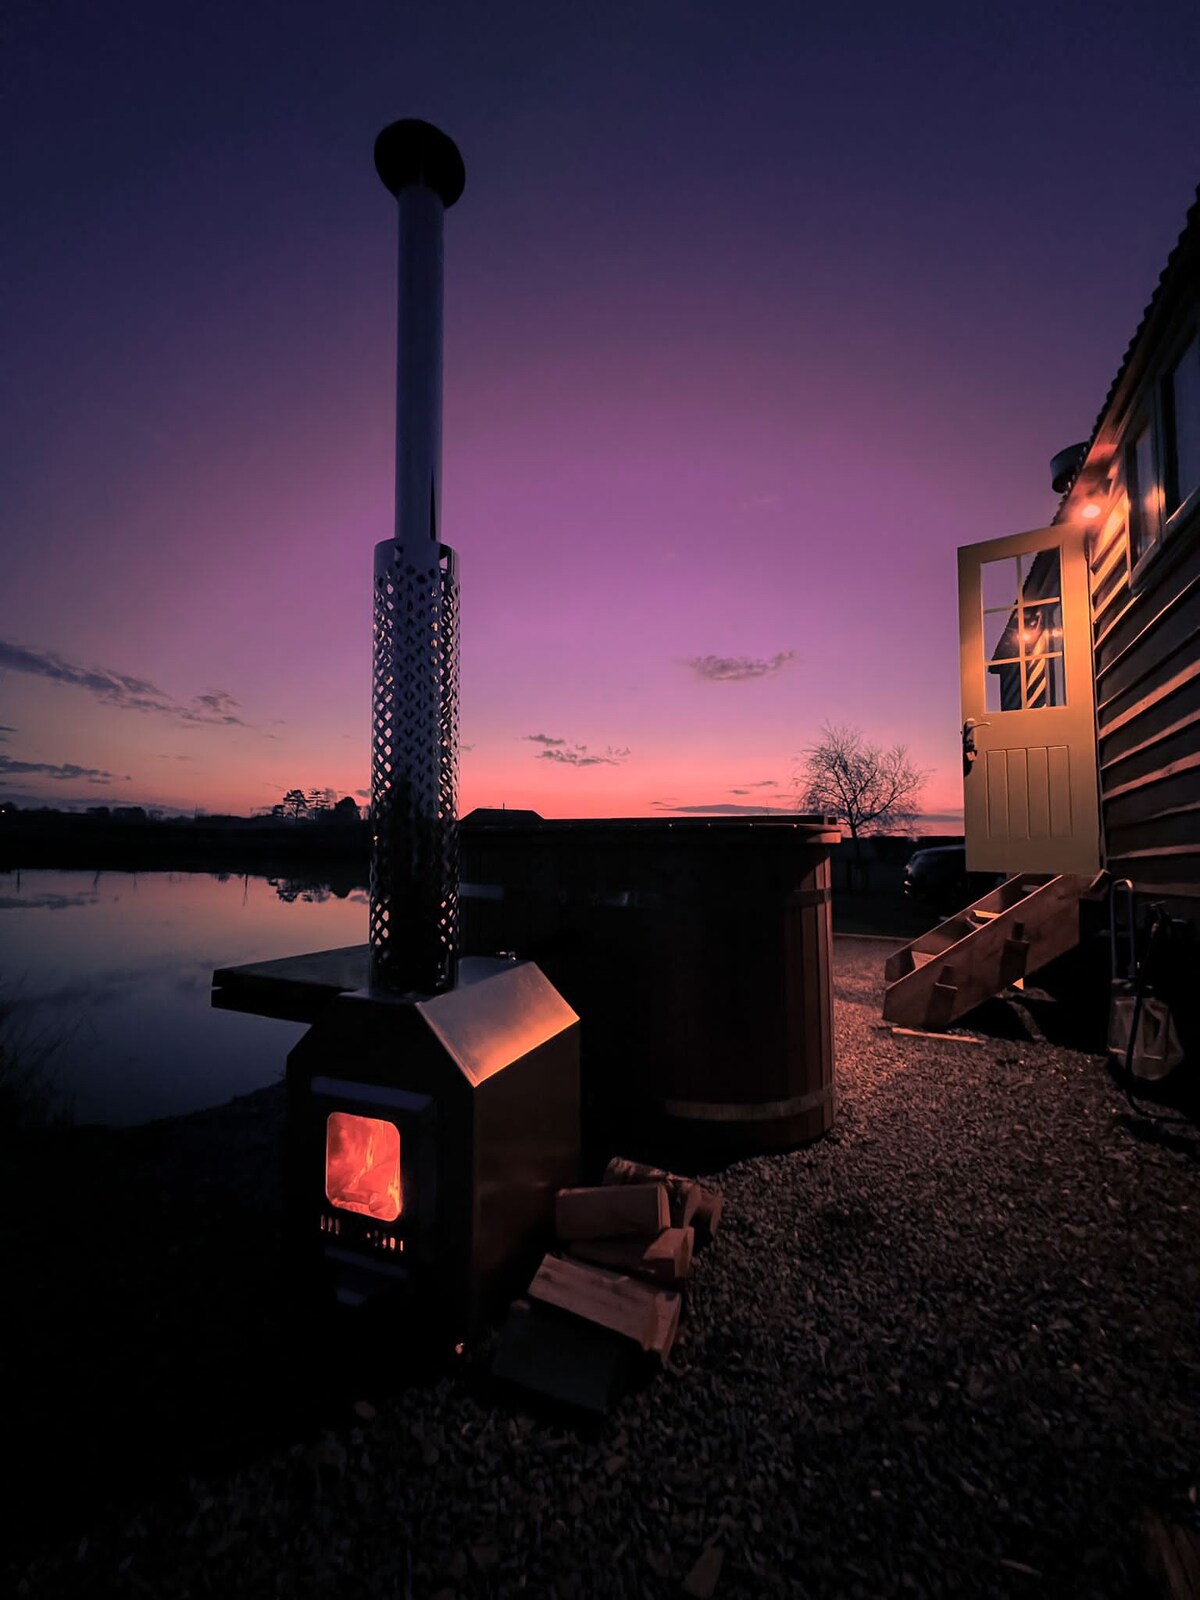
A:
(426, 1140)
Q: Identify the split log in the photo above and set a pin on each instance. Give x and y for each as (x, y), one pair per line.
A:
(601, 1213)
(683, 1194)
(609, 1299)
(626, 1306)
(563, 1358)
(666, 1259)
(690, 1200)
(708, 1213)
(667, 1307)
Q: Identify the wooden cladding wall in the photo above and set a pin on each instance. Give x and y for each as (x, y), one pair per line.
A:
(1147, 653)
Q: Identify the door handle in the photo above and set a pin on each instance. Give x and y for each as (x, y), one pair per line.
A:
(969, 753)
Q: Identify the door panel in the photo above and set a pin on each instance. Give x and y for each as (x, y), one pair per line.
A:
(1029, 740)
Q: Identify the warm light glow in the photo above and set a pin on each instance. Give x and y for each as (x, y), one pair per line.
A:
(362, 1165)
(1091, 511)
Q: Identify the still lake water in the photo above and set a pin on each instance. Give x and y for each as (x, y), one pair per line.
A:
(116, 968)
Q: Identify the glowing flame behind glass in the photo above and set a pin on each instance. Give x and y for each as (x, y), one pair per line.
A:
(362, 1165)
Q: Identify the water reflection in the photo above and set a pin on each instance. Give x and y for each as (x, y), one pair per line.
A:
(346, 885)
(117, 968)
(46, 901)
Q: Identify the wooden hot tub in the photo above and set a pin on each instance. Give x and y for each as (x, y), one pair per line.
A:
(698, 955)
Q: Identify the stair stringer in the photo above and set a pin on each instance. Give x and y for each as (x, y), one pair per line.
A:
(1010, 932)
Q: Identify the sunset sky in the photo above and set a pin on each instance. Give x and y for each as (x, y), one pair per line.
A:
(754, 313)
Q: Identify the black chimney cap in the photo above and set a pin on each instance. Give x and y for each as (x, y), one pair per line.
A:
(411, 151)
(1065, 466)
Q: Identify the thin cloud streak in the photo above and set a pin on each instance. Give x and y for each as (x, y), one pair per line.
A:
(724, 808)
(579, 757)
(574, 755)
(735, 669)
(214, 706)
(939, 823)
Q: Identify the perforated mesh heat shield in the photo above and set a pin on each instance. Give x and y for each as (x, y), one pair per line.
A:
(414, 772)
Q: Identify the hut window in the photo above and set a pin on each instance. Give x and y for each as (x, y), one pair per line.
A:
(1181, 427)
(1145, 493)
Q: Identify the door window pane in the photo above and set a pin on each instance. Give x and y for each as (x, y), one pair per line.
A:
(1000, 635)
(1043, 682)
(1000, 582)
(1041, 627)
(1004, 687)
(1040, 578)
(1058, 682)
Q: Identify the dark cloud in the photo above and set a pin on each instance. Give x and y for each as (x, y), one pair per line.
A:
(65, 772)
(724, 808)
(5, 730)
(732, 669)
(110, 686)
(117, 688)
(578, 756)
(574, 755)
(214, 705)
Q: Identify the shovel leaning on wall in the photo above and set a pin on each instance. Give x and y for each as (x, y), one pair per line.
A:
(1142, 1039)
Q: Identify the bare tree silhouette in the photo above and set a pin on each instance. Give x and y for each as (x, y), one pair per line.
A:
(872, 790)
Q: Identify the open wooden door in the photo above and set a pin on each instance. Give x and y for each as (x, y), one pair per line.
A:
(1029, 735)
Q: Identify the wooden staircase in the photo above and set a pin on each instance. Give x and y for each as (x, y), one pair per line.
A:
(1001, 939)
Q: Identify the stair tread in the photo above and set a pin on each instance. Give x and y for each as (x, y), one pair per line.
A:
(1039, 922)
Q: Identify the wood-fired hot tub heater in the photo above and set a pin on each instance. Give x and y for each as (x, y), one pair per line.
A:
(433, 1113)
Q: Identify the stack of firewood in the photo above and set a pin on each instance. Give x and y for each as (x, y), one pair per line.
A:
(609, 1298)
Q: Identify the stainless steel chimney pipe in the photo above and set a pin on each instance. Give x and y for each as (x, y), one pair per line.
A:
(414, 723)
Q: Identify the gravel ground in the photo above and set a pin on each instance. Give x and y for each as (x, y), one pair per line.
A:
(951, 1349)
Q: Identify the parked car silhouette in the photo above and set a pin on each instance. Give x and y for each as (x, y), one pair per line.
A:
(938, 880)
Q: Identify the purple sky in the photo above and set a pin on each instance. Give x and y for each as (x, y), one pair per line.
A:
(753, 315)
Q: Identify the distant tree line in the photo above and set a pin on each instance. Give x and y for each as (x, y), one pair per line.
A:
(316, 804)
